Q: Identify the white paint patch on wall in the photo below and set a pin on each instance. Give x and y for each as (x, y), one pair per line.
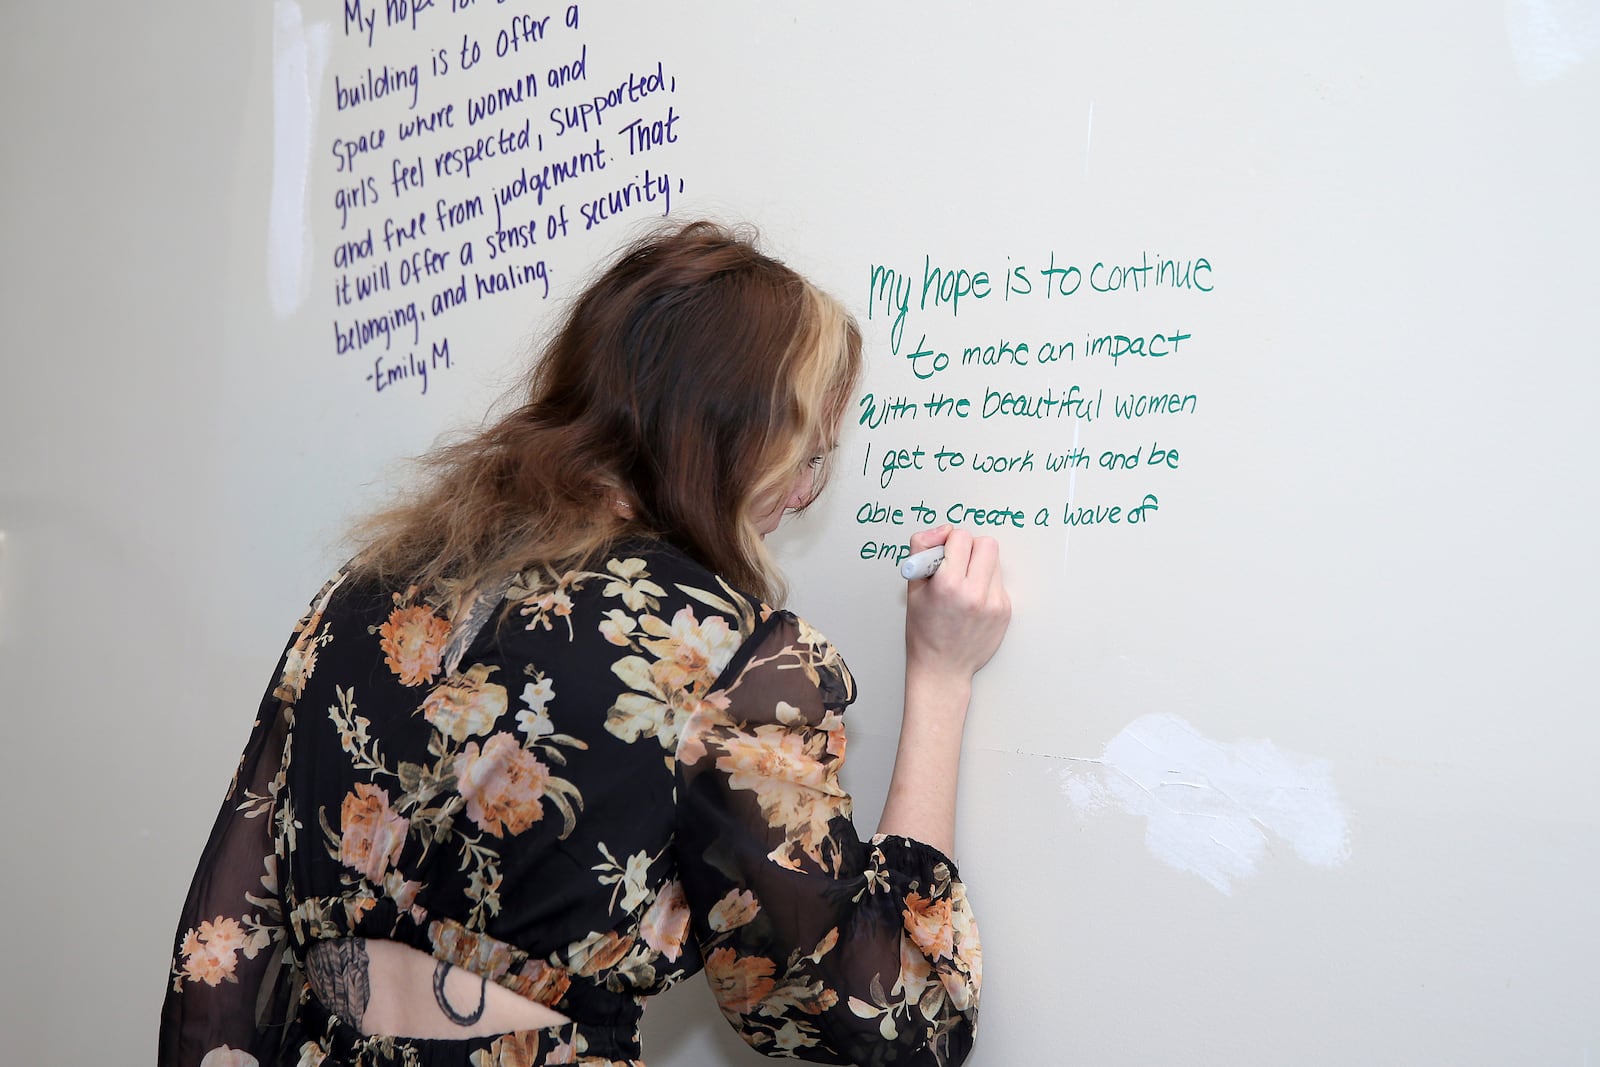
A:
(1212, 807)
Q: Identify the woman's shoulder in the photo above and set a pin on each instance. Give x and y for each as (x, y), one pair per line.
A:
(651, 597)
(684, 583)
(639, 590)
(671, 564)
(644, 593)
(763, 626)
(651, 572)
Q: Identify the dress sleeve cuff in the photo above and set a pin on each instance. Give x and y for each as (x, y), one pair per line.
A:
(913, 860)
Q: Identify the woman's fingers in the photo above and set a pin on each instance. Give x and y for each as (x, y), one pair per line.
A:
(957, 553)
(923, 540)
(956, 619)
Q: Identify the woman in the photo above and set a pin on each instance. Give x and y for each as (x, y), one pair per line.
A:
(541, 750)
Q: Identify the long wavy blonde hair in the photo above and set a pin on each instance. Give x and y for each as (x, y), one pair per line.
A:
(679, 399)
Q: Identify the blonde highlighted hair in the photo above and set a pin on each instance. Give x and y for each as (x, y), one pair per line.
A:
(683, 393)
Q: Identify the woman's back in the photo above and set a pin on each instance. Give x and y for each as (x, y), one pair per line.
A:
(580, 787)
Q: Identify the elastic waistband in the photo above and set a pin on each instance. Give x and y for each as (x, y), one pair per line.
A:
(343, 1045)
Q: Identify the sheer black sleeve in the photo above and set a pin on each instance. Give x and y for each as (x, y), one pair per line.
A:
(818, 945)
(230, 992)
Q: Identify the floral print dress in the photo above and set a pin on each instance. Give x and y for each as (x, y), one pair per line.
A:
(584, 787)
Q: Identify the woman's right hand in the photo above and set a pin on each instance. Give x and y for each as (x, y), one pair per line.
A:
(956, 619)
(954, 623)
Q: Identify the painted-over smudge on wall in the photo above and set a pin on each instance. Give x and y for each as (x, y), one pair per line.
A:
(1210, 807)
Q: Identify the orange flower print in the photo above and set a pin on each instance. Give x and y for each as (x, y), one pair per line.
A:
(617, 628)
(211, 951)
(813, 999)
(692, 741)
(770, 753)
(371, 834)
(704, 716)
(539, 981)
(543, 605)
(597, 952)
(666, 923)
(963, 988)
(825, 946)
(302, 657)
(224, 1056)
(833, 724)
(690, 653)
(964, 981)
(637, 595)
(503, 785)
(916, 975)
(519, 1049)
(478, 953)
(413, 643)
(789, 1038)
(298, 664)
(400, 890)
(793, 787)
(557, 603)
(970, 953)
(466, 706)
(929, 925)
(733, 910)
(739, 982)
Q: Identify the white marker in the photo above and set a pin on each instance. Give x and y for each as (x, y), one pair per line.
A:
(923, 564)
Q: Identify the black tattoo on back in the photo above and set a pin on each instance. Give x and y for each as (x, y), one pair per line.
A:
(338, 973)
(439, 973)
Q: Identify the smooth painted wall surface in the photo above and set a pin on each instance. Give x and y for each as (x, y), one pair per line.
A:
(1260, 335)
